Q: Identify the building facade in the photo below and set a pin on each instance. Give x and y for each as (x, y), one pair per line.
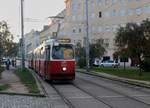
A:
(105, 17)
(32, 40)
(55, 29)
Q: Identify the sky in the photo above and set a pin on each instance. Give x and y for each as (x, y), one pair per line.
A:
(35, 10)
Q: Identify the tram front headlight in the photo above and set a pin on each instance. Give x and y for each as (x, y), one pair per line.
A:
(64, 68)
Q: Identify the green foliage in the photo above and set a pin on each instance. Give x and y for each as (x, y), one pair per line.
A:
(80, 51)
(80, 55)
(82, 62)
(127, 73)
(12, 49)
(27, 78)
(4, 87)
(133, 40)
(5, 38)
(97, 49)
(145, 65)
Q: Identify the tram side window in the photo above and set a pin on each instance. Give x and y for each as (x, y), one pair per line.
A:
(42, 53)
(48, 52)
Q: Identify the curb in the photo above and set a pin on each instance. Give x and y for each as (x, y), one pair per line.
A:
(39, 83)
(116, 78)
(22, 94)
(41, 94)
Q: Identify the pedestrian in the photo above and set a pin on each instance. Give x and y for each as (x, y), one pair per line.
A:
(13, 63)
(7, 64)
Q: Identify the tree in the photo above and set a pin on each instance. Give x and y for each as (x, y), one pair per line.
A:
(80, 55)
(97, 49)
(6, 38)
(134, 39)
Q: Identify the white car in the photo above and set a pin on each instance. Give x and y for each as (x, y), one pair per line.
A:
(96, 62)
(109, 63)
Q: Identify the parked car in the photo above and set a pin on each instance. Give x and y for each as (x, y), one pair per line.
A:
(96, 62)
(109, 63)
(4, 60)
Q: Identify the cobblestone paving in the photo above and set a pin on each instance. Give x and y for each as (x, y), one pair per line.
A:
(29, 102)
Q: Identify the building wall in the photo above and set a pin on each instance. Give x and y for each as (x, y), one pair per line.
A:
(105, 16)
(32, 40)
(57, 25)
(45, 33)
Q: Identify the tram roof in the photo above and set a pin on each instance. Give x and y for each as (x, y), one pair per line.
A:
(52, 41)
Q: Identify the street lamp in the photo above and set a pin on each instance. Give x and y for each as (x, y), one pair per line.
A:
(22, 36)
(87, 37)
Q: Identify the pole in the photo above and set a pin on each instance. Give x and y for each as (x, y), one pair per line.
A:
(22, 36)
(87, 37)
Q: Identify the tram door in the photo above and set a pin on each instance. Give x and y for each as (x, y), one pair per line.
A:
(47, 61)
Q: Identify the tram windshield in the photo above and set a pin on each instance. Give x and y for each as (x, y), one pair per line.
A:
(63, 52)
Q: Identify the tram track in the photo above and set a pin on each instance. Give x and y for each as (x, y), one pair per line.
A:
(94, 96)
(110, 89)
(127, 85)
(67, 101)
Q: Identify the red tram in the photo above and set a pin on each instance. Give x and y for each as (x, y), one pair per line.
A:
(54, 60)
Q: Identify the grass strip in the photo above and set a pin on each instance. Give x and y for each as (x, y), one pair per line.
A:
(28, 80)
(127, 73)
(4, 87)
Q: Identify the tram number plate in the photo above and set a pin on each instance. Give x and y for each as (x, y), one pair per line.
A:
(64, 64)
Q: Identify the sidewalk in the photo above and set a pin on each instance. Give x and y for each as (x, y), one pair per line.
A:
(145, 84)
(15, 86)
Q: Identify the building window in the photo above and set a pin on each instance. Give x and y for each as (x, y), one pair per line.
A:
(138, 0)
(93, 29)
(100, 14)
(74, 18)
(100, 29)
(115, 27)
(138, 11)
(80, 30)
(114, 13)
(93, 15)
(92, 5)
(122, 2)
(106, 14)
(129, 1)
(147, 9)
(106, 2)
(114, 1)
(122, 12)
(74, 7)
(80, 17)
(74, 30)
(107, 29)
(99, 2)
(130, 12)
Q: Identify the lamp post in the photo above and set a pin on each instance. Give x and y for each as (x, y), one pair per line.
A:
(22, 36)
(87, 36)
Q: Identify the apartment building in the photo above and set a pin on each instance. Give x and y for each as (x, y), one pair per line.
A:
(75, 20)
(55, 29)
(105, 16)
(45, 33)
(32, 40)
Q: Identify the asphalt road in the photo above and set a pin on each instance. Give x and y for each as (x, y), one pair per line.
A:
(94, 92)
(85, 92)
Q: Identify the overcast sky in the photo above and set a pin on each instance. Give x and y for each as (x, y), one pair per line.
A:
(35, 9)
